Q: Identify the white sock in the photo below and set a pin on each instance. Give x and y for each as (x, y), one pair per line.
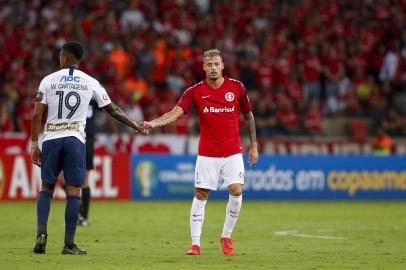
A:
(196, 220)
(232, 212)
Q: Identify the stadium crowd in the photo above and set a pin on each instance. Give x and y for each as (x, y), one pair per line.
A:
(301, 61)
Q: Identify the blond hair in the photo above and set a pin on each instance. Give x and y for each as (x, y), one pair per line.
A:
(212, 53)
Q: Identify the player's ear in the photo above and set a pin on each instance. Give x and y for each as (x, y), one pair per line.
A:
(67, 59)
(64, 59)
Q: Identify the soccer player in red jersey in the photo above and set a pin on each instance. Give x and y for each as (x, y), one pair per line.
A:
(219, 101)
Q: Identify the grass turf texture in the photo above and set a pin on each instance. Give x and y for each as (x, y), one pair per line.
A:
(155, 235)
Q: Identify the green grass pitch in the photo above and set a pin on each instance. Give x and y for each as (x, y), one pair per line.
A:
(269, 235)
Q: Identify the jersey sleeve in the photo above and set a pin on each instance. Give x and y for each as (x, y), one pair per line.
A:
(245, 104)
(41, 95)
(100, 95)
(186, 100)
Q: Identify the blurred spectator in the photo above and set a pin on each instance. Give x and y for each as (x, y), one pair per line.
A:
(203, 5)
(119, 59)
(264, 73)
(134, 111)
(352, 102)
(132, 17)
(333, 71)
(365, 89)
(158, 71)
(288, 118)
(311, 74)
(382, 143)
(392, 123)
(377, 106)
(6, 123)
(313, 119)
(349, 56)
(265, 120)
(136, 87)
(283, 67)
(295, 90)
(25, 110)
(389, 66)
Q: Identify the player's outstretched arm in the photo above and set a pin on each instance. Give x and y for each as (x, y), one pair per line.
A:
(250, 126)
(39, 110)
(165, 119)
(118, 114)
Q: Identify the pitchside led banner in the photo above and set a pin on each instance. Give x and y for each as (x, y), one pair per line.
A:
(279, 177)
(20, 179)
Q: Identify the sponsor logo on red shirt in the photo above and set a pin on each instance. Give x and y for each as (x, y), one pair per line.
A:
(218, 110)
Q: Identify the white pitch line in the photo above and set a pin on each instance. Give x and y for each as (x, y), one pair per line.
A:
(324, 230)
(297, 234)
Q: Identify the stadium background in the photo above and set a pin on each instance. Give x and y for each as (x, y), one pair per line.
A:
(323, 77)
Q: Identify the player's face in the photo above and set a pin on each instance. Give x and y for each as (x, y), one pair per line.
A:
(213, 67)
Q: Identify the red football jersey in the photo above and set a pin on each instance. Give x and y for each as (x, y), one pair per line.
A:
(218, 111)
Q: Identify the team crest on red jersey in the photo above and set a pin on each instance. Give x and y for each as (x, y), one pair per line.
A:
(229, 96)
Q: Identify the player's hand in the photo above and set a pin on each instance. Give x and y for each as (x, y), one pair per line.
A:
(148, 126)
(253, 155)
(142, 128)
(36, 156)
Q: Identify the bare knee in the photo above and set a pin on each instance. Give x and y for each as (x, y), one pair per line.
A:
(72, 190)
(201, 194)
(235, 189)
(47, 187)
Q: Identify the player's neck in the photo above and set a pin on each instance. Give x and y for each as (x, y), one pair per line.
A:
(215, 83)
(71, 64)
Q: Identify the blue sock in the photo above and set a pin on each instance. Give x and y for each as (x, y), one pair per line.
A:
(43, 207)
(71, 218)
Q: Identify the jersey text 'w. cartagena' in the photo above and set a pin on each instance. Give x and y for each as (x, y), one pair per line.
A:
(67, 94)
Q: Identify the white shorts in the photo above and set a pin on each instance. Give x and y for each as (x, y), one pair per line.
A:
(210, 170)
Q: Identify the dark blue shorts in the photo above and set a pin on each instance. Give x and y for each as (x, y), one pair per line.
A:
(89, 154)
(67, 154)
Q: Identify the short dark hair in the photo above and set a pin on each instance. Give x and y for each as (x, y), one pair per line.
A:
(74, 48)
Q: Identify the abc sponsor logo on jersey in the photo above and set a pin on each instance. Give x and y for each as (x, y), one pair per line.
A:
(218, 110)
(70, 79)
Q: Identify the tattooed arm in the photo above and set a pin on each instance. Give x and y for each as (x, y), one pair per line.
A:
(118, 114)
(250, 126)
